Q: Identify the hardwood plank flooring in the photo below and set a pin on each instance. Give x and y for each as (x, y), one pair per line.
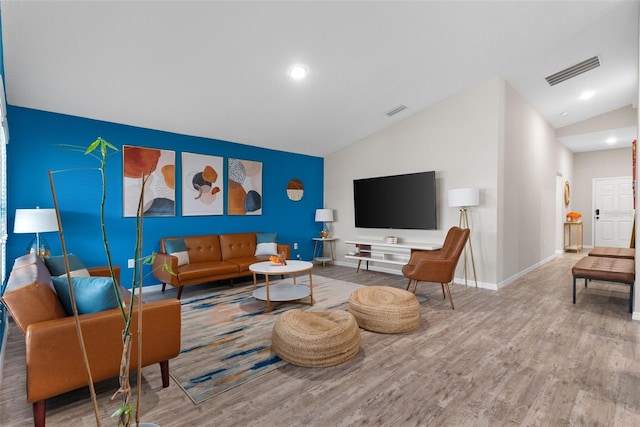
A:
(520, 356)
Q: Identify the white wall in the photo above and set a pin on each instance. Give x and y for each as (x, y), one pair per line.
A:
(532, 159)
(457, 138)
(487, 137)
(591, 165)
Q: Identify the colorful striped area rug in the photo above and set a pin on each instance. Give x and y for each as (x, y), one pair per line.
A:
(226, 335)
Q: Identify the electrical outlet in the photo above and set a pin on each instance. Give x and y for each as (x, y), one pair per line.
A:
(295, 246)
(130, 263)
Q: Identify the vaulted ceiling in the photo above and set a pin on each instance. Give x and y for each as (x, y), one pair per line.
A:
(219, 69)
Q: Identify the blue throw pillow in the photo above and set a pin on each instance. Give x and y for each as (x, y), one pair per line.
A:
(56, 267)
(177, 248)
(93, 294)
(267, 244)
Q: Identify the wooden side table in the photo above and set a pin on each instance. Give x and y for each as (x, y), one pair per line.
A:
(573, 236)
(318, 249)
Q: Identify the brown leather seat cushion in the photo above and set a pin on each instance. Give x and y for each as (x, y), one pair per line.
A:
(204, 269)
(628, 253)
(603, 268)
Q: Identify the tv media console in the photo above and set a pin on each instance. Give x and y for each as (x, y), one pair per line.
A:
(390, 253)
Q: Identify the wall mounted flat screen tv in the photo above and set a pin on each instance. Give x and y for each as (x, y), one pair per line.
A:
(400, 201)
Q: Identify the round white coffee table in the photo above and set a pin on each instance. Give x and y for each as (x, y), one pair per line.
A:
(286, 290)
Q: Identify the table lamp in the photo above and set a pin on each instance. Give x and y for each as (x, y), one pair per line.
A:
(324, 216)
(36, 221)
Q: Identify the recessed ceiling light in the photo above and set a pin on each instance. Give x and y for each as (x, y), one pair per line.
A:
(611, 140)
(586, 95)
(298, 72)
(564, 113)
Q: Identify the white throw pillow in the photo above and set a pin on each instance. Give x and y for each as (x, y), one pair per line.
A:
(267, 249)
(266, 244)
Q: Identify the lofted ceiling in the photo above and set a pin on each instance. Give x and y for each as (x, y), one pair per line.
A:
(219, 69)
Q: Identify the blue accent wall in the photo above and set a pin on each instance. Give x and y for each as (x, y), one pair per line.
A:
(36, 146)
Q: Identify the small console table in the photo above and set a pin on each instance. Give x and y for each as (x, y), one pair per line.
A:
(390, 253)
(318, 255)
(573, 236)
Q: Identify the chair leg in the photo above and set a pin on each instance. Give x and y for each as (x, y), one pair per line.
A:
(415, 285)
(39, 413)
(164, 286)
(164, 373)
(446, 285)
(443, 295)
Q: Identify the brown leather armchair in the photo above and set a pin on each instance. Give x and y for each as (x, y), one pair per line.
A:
(53, 357)
(437, 266)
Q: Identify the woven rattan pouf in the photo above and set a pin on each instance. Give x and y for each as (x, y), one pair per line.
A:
(385, 309)
(315, 338)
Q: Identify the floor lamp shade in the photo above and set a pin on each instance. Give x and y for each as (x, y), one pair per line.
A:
(36, 221)
(464, 197)
(324, 216)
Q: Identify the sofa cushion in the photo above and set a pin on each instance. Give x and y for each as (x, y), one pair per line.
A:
(178, 248)
(266, 244)
(33, 303)
(206, 269)
(235, 245)
(203, 248)
(56, 266)
(27, 270)
(244, 262)
(92, 294)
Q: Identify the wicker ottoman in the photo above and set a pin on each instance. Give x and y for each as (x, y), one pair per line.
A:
(315, 338)
(385, 309)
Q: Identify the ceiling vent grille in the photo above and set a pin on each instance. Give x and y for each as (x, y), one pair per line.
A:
(396, 110)
(576, 70)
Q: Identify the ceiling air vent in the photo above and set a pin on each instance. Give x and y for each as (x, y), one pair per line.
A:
(575, 70)
(396, 110)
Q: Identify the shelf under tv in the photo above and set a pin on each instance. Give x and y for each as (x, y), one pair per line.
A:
(389, 253)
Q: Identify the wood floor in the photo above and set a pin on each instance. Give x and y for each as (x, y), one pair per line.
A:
(520, 356)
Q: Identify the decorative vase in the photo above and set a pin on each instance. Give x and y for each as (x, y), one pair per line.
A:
(283, 258)
(324, 234)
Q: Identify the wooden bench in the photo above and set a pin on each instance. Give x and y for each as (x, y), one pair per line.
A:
(618, 270)
(607, 252)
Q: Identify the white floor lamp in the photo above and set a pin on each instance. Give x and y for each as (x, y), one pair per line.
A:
(463, 198)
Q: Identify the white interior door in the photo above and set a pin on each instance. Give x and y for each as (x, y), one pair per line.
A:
(612, 211)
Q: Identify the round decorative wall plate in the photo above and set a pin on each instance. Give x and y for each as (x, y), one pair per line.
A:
(295, 190)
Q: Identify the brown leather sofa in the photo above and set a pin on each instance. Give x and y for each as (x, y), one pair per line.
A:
(53, 357)
(212, 257)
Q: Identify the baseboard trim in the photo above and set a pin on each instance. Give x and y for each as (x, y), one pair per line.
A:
(460, 280)
(513, 278)
(149, 288)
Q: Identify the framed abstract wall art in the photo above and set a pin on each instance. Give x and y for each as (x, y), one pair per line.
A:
(244, 187)
(202, 188)
(159, 191)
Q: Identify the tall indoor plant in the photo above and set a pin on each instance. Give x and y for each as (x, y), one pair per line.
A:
(101, 150)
